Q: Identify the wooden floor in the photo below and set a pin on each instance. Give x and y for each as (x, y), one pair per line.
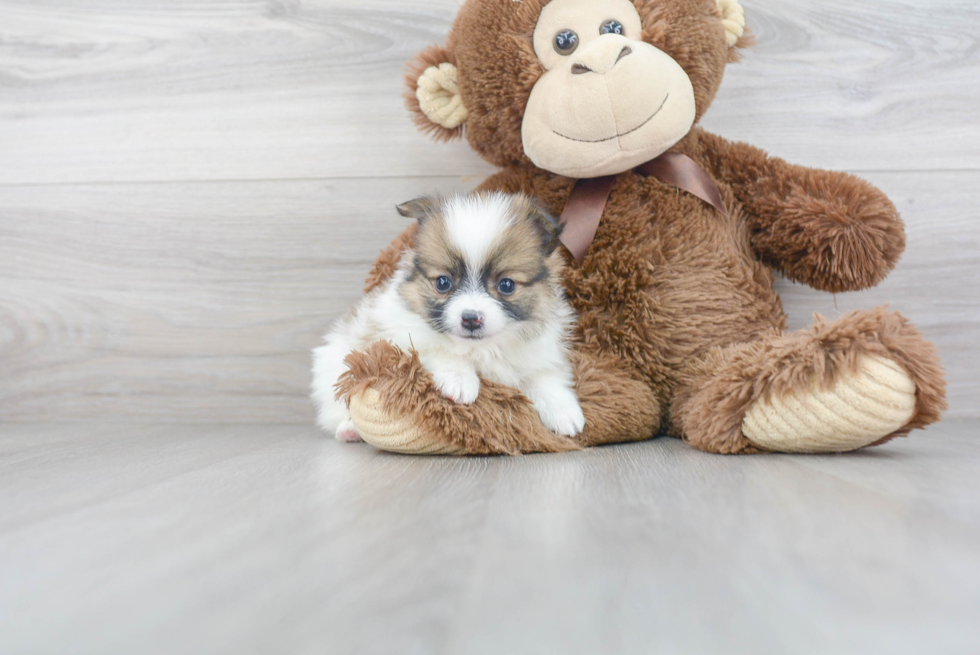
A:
(248, 539)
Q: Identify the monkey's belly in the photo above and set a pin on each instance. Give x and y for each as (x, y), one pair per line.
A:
(685, 309)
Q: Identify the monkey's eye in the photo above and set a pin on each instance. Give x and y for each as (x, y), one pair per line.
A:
(443, 284)
(611, 27)
(506, 286)
(565, 42)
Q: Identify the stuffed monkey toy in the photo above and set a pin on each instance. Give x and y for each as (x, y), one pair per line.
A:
(672, 235)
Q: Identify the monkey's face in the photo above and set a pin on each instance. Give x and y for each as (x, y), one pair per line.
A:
(581, 88)
(608, 101)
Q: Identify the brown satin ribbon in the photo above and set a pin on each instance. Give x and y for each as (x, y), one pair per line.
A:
(684, 173)
(584, 207)
(582, 213)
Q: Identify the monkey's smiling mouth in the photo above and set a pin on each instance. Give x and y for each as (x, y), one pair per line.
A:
(616, 136)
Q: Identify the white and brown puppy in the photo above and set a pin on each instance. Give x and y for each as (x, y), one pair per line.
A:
(480, 295)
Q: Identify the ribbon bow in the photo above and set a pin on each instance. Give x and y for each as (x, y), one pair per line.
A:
(583, 211)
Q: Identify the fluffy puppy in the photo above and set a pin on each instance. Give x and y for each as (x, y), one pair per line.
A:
(480, 295)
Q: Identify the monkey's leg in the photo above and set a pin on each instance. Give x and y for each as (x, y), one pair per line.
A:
(396, 407)
(858, 381)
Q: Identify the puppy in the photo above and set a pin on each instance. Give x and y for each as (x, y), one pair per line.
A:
(480, 295)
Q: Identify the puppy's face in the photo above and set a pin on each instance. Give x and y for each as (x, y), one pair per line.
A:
(484, 264)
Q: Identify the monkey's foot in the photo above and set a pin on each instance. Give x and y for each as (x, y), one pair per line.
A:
(860, 409)
(398, 434)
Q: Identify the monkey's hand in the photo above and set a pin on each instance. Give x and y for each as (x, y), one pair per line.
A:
(829, 230)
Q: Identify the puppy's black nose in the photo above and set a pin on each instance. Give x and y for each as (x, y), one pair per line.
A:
(472, 321)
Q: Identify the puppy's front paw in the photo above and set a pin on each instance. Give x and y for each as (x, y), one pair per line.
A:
(460, 386)
(568, 422)
(560, 411)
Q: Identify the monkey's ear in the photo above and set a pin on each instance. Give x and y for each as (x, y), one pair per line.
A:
(433, 95)
(737, 34)
(421, 208)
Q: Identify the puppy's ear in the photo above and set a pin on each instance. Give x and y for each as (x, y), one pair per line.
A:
(433, 96)
(547, 225)
(420, 209)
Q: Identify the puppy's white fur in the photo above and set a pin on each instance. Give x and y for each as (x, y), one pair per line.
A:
(529, 355)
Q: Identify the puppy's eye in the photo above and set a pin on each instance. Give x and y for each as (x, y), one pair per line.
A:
(443, 284)
(565, 42)
(506, 286)
(611, 27)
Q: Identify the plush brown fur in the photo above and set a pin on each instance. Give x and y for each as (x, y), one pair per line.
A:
(680, 328)
(831, 231)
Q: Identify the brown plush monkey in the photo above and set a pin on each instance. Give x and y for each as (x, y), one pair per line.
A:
(680, 329)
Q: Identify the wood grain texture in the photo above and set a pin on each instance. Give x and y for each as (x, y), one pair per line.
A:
(252, 539)
(201, 301)
(107, 90)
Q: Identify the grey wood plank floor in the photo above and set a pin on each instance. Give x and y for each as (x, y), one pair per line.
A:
(261, 539)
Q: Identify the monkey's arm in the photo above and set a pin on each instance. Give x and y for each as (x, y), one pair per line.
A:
(387, 262)
(829, 230)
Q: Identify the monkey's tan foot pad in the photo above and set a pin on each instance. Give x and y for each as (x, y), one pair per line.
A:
(393, 433)
(858, 410)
